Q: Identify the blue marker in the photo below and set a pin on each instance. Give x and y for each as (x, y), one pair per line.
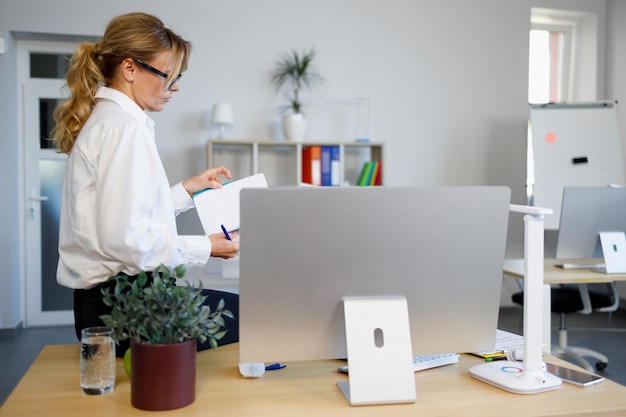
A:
(274, 367)
(226, 233)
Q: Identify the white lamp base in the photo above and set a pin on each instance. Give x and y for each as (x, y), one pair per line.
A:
(510, 376)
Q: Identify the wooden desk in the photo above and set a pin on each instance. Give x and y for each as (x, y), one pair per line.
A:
(554, 275)
(50, 388)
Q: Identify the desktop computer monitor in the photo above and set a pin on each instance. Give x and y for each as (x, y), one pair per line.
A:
(585, 211)
(304, 249)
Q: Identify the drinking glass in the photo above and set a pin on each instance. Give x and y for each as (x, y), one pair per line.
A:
(97, 360)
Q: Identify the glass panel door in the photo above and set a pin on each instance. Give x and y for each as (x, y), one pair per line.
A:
(47, 302)
(42, 67)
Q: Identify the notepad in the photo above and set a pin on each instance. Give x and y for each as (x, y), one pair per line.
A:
(505, 341)
(581, 265)
(220, 206)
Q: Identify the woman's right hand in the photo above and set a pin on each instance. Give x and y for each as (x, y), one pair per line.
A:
(222, 247)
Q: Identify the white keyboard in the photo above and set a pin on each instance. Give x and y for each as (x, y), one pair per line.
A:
(428, 360)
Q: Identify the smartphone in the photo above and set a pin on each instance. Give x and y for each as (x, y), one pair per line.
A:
(572, 376)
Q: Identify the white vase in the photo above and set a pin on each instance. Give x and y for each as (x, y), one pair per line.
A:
(294, 126)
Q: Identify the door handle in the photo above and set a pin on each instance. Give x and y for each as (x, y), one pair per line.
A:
(38, 198)
(34, 196)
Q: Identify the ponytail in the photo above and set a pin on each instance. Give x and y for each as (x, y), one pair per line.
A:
(83, 79)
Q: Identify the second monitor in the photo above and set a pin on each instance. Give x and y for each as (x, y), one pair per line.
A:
(586, 211)
(303, 250)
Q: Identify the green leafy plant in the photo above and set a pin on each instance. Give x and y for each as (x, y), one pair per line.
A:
(296, 71)
(156, 310)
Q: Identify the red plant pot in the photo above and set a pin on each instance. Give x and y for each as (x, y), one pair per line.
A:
(163, 376)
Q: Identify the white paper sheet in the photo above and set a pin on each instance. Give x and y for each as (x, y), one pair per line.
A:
(220, 206)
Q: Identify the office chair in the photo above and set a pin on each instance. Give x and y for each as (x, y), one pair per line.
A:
(230, 325)
(579, 298)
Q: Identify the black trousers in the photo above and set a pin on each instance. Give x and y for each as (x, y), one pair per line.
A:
(88, 307)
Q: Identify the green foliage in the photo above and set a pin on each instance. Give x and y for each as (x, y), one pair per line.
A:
(159, 311)
(297, 71)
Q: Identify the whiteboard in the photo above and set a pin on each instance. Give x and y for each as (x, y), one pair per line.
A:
(573, 144)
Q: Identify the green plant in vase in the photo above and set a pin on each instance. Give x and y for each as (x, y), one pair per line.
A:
(294, 71)
(164, 321)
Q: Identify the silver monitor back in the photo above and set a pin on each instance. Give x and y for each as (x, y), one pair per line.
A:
(303, 249)
(585, 211)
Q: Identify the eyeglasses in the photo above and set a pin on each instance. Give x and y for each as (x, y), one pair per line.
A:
(157, 72)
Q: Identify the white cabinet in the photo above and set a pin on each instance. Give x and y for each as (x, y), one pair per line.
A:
(281, 162)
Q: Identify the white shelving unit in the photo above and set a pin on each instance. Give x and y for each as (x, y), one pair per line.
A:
(281, 162)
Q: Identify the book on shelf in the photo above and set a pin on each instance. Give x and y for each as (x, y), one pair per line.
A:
(375, 170)
(366, 173)
(330, 165)
(379, 175)
(325, 165)
(312, 165)
(371, 174)
(335, 166)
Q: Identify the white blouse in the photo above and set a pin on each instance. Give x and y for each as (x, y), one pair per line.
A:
(118, 210)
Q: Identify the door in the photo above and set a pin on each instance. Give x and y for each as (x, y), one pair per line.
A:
(41, 73)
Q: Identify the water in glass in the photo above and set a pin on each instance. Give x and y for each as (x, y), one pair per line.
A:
(97, 361)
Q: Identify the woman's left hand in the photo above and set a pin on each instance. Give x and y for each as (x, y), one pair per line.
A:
(207, 179)
(222, 247)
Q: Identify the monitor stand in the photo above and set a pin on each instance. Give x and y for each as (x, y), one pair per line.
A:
(380, 357)
(529, 377)
(614, 251)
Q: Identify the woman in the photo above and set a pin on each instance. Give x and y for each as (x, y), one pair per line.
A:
(118, 210)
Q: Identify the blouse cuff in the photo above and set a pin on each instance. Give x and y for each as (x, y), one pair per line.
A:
(181, 198)
(196, 250)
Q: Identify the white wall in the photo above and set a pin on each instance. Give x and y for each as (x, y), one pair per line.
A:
(448, 79)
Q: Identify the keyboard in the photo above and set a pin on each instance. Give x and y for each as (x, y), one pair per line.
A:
(432, 360)
(425, 361)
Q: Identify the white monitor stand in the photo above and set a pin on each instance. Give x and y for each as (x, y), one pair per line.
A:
(529, 377)
(380, 357)
(614, 251)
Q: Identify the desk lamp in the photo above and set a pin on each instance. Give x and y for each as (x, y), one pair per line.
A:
(530, 377)
(222, 116)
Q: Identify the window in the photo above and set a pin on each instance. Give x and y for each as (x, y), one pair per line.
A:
(47, 65)
(549, 63)
(50, 66)
(563, 57)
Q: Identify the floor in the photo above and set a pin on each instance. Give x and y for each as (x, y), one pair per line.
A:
(18, 353)
(591, 331)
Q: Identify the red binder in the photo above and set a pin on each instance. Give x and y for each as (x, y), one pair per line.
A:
(312, 165)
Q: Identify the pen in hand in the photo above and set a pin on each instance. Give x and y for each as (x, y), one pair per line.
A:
(226, 233)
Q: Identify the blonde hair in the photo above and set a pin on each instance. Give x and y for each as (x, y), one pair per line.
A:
(135, 35)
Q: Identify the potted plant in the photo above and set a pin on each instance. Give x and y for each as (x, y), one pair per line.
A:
(296, 71)
(163, 321)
